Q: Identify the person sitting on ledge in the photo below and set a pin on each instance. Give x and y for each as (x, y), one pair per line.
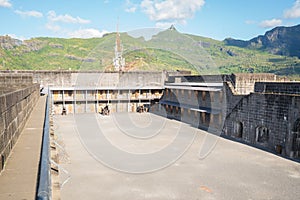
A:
(141, 109)
(64, 111)
(105, 110)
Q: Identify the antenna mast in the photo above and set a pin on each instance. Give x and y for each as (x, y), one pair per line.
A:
(119, 61)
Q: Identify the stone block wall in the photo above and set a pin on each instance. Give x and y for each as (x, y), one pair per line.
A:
(269, 121)
(278, 87)
(15, 108)
(231, 98)
(244, 83)
(70, 78)
(198, 106)
(198, 79)
(15, 79)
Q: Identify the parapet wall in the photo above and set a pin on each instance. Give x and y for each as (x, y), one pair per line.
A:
(71, 78)
(198, 79)
(278, 87)
(244, 83)
(15, 79)
(15, 108)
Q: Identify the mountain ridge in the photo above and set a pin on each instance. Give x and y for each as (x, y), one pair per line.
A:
(166, 50)
(280, 40)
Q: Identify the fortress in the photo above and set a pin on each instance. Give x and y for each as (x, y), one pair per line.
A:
(261, 110)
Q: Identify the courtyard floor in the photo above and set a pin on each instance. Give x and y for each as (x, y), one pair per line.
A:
(145, 156)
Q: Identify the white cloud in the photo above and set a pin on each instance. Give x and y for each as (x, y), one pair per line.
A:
(270, 23)
(22, 38)
(31, 13)
(66, 18)
(87, 33)
(5, 3)
(171, 10)
(293, 12)
(130, 7)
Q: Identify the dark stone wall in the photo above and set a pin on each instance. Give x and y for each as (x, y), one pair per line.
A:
(15, 108)
(199, 108)
(270, 121)
(266, 121)
(278, 87)
(231, 98)
(198, 79)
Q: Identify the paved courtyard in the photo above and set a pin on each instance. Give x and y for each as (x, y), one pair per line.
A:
(145, 156)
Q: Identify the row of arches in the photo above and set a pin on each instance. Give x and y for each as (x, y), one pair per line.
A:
(261, 132)
(296, 138)
(262, 135)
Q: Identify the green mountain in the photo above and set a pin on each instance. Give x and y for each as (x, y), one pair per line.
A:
(280, 40)
(165, 50)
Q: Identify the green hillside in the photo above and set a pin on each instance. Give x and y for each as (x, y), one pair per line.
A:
(168, 50)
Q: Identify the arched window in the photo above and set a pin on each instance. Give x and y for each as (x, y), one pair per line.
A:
(262, 134)
(296, 138)
(296, 127)
(238, 129)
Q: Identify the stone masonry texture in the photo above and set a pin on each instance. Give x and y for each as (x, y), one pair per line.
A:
(16, 103)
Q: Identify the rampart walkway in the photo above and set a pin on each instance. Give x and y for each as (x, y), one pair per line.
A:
(19, 178)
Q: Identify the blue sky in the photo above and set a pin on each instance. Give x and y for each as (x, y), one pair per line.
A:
(218, 19)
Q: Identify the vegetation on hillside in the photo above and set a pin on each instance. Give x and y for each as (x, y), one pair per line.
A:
(168, 50)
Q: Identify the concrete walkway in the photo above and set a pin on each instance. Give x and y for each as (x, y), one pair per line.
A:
(231, 170)
(19, 178)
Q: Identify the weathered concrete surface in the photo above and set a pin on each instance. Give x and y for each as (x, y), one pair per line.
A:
(19, 178)
(231, 171)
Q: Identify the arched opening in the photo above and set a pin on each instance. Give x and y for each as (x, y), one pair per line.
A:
(296, 127)
(262, 134)
(296, 138)
(238, 129)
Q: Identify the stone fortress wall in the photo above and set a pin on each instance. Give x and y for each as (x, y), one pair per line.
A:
(18, 95)
(268, 118)
(261, 110)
